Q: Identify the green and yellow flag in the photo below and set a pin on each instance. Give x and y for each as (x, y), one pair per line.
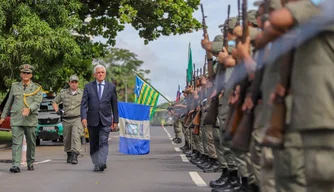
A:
(146, 95)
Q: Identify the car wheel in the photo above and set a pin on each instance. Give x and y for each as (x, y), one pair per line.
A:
(55, 140)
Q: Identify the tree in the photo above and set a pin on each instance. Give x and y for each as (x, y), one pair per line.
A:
(40, 33)
(119, 64)
(152, 18)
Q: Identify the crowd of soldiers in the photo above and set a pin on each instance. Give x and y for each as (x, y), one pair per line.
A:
(265, 124)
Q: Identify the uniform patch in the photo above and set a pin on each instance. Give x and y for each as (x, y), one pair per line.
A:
(316, 2)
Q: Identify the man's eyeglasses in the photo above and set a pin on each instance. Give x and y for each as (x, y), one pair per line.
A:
(28, 73)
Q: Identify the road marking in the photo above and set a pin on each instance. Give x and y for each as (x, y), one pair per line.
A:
(38, 162)
(109, 139)
(184, 158)
(177, 149)
(170, 137)
(197, 179)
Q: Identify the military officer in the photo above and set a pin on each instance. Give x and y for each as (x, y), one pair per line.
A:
(23, 103)
(73, 130)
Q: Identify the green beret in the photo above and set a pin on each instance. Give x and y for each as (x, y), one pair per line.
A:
(26, 68)
(274, 4)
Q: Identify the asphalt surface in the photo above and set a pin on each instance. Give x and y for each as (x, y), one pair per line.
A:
(162, 170)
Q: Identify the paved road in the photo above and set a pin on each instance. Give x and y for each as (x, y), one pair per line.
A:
(163, 170)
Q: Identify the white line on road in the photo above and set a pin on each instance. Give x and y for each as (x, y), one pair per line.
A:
(184, 158)
(45, 161)
(177, 149)
(197, 179)
(170, 137)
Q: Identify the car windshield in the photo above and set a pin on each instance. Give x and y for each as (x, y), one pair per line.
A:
(46, 105)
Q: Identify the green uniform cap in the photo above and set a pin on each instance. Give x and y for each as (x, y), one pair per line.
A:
(26, 68)
(252, 17)
(273, 4)
(74, 78)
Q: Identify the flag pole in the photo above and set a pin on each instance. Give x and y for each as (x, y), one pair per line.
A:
(150, 85)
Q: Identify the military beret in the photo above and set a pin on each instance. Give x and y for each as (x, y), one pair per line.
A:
(252, 17)
(74, 78)
(274, 4)
(26, 68)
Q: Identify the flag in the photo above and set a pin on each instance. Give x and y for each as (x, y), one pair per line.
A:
(190, 65)
(146, 95)
(178, 93)
(134, 124)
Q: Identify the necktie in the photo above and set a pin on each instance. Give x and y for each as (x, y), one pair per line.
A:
(100, 91)
(24, 87)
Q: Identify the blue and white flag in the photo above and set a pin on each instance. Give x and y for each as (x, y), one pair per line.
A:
(134, 124)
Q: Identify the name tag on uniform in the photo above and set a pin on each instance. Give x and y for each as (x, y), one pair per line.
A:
(316, 2)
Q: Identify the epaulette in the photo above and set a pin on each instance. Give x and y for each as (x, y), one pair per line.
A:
(15, 83)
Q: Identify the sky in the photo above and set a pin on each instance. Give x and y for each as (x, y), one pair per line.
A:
(167, 57)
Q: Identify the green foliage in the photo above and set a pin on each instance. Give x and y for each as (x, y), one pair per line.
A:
(41, 33)
(119, 64)
(151, 18)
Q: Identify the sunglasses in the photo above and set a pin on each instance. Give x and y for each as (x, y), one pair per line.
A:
(74, 81)
(26, 73)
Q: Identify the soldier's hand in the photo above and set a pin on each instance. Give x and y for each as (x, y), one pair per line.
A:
(25, 112)
(1, 121)
(84, 123)
(237, 31)
(204, 42)
(248, 104)
(222, 55)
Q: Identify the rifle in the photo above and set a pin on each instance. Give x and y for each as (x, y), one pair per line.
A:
(240, 89)
(242, 137)
(208, 53)
(187, 78)
(211, 116)
(274, 131)
(205, 65)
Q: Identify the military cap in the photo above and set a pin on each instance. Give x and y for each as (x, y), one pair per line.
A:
(274, 4)
(26, 68)
(252, 17)
(74, 78)
(217, 44)
(232, 22)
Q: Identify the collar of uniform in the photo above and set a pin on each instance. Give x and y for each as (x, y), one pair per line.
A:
(29, 83)
(77, 92)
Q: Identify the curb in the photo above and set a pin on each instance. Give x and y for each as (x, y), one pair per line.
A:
(7, 145)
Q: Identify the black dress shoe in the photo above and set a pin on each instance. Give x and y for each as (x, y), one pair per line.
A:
(31, 167)
(15, 169)
(69, 157)
(96, 168)
(103, 167)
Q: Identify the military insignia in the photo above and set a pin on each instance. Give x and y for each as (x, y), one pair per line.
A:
(316, 2)
(26, 66)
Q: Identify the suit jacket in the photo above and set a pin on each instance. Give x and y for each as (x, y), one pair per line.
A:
(95, 110)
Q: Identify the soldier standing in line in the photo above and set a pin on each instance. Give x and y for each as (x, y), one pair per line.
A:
(73, 130)
(23, 103)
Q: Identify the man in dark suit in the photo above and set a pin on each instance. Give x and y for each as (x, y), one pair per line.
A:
(99, 113)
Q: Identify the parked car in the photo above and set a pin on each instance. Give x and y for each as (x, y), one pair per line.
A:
(49, 125)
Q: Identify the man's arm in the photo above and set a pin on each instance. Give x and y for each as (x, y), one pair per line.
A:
(56, 101)
(114, 106)
(37, 99)
(84, 104)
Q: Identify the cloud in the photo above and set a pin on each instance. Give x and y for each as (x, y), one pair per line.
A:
(167, 57)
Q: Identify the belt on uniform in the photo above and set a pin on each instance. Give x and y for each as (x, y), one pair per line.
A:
(73, 117)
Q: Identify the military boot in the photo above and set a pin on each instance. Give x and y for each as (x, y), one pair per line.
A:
(231, 184)
(222, 180)
(69, 157)
(75, 158)
(215, 167)
(201, 160)
(206, 164)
